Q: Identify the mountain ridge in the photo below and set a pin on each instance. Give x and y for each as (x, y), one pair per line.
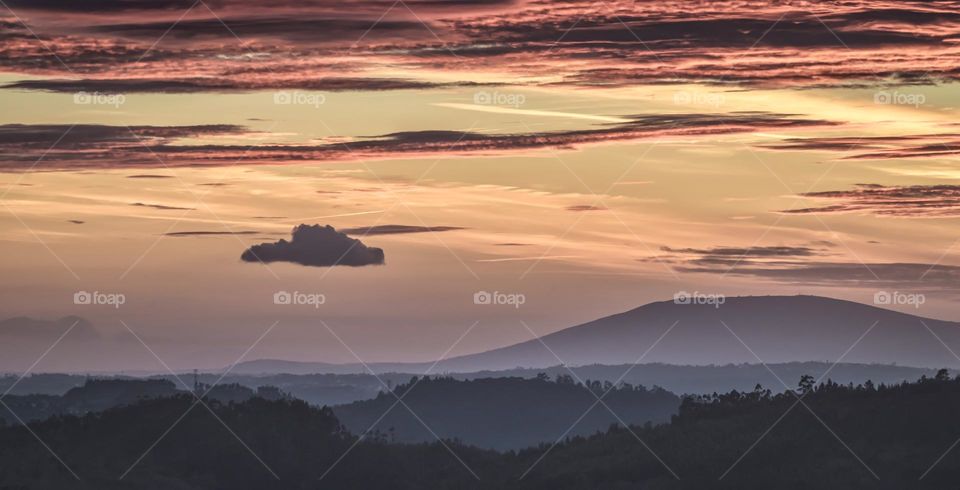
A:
(744, 329)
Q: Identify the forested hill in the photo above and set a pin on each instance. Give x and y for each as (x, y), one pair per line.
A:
(838, 437)
(96, 395)
(505, 413)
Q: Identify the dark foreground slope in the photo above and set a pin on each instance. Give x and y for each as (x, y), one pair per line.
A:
(864, 437)
(291, 445)
(504, 413)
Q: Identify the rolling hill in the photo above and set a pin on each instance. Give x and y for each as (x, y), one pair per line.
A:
(749, 329)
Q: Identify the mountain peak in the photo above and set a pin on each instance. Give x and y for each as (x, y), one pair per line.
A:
(701, 330)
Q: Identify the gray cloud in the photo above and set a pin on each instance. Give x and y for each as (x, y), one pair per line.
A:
(316, 245)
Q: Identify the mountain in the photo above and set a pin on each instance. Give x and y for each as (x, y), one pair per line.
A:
(24, 340)
(93, 396)
(504, 413)
(274, 366)
(26, 328)
(777, 329)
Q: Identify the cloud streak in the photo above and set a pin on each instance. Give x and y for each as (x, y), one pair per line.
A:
(878, 147)
(59, 147)
(917, 201)
(292, 44)
(396, 229)
(810, 265)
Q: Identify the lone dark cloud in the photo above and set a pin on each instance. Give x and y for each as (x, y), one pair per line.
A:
(916, 201)
(396, 229)
(316, 245)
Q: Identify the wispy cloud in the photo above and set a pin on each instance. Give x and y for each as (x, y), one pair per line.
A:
(292, 44)
(916, 201)
(813, 264)
(878, 147)
(95, 146)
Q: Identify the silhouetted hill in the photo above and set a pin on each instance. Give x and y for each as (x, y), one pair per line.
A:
(863, 437)
(93, 396)
(97, 395)
(778, 329)
(338, 389)
(868, 436)
(711, 379)
(504, 413)
(172, 443)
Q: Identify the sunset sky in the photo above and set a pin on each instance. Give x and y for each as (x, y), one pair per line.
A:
(591, 156)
